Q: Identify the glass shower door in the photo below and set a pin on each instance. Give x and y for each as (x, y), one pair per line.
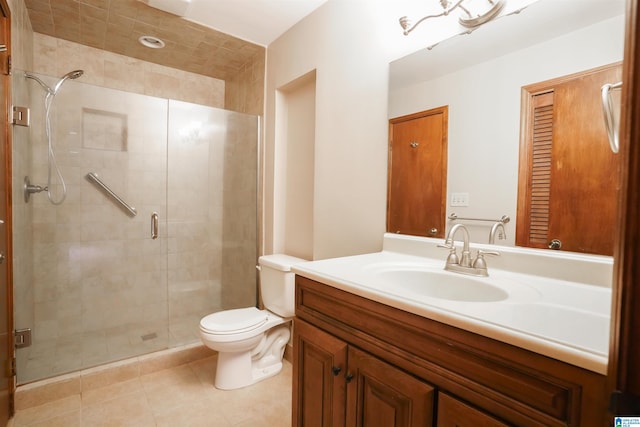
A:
(99, 279)
(91, 282)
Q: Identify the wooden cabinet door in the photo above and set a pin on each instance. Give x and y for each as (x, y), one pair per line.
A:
(319, 386)
(380, 395)
(453, 413)
(417, 187)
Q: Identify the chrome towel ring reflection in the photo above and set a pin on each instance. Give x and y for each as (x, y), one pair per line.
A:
(611, 119)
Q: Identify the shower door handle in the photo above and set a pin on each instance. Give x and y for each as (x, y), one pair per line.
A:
(154, 225)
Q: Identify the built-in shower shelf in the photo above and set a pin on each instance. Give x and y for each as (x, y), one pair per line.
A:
(104, 130)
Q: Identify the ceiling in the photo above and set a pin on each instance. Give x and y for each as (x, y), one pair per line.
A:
(257, 21)
(227, 35)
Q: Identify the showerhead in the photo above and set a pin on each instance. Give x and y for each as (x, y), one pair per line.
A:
(70, 75)
(74, 74)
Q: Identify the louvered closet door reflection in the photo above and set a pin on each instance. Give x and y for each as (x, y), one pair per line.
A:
(541, 148)
(573, 175)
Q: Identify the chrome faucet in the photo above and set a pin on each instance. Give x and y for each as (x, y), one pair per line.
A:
(465, 259)
(464, 264)
(497, 227)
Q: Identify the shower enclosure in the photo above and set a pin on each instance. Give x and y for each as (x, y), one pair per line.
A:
(91, 279)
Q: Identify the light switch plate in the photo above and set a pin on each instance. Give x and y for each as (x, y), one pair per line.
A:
(459, 199)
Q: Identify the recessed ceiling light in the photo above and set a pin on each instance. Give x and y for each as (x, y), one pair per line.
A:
(151, 41)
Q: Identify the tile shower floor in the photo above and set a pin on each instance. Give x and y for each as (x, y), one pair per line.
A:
(182, 396)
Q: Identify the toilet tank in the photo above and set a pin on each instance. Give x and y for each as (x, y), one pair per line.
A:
(277, 285)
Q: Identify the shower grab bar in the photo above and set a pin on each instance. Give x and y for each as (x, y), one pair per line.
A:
(93, 177)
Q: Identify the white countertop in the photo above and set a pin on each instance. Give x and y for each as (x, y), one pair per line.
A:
(547, 314)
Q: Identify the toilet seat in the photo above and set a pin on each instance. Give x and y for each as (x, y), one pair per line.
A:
(236, 321)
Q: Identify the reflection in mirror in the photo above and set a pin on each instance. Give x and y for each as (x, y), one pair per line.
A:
(567, 171)
(480, 76)
(416, 194)
(472, 14)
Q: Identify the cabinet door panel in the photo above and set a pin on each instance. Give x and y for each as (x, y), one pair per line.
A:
(453, 413)
(320, 361)
(380, 395)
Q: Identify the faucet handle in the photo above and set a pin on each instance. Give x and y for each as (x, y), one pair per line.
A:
(479, 262)
(447, 245)
(453, 256)
(482, 252)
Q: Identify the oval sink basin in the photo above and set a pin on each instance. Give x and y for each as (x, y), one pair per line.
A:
(442, 285)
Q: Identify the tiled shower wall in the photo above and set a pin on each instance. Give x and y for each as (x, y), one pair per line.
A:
(90, 308)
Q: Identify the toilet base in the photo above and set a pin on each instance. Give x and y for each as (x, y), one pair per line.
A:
(241, 369)
(239, 375)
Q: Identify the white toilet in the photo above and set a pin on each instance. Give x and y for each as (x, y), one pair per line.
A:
(251, 342)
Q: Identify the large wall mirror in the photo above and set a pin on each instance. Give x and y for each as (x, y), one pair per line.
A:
(479, 78)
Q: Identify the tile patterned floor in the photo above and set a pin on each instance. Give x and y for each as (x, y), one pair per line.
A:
(183, 396)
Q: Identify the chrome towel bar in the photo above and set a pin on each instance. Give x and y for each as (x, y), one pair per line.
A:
(93, 178)
(505, 219)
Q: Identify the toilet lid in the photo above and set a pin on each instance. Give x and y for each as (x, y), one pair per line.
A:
(234, 321)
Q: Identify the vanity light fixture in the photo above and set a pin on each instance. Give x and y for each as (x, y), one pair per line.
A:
(473, 13)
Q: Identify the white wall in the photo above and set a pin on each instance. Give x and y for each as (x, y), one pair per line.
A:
(349, 44)
(350, 129)
(296, 166)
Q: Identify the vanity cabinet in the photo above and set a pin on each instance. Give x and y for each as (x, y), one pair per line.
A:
(358, 362)
(320, 392)
(340, 385)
